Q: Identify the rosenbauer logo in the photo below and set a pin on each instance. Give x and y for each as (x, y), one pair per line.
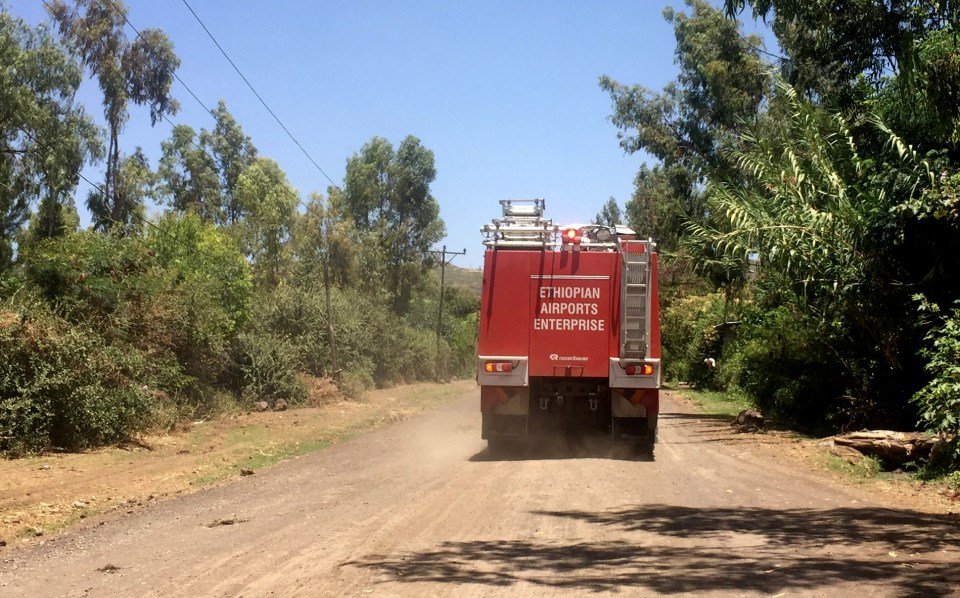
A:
(556, 357)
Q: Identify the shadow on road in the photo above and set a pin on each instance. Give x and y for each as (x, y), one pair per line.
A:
(684, 550)
(565, 447)
(715, 428)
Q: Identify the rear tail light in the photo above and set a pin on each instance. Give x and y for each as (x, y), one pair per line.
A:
(498, 367)
(639, 370)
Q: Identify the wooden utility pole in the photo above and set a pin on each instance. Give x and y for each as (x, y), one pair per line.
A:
(443, 265)
(334, 357)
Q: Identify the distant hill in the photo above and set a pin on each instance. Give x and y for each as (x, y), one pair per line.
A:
(464, 278)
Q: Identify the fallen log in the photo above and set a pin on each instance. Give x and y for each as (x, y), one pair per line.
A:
(893, 449)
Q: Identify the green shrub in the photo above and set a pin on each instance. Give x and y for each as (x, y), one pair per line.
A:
(689, 335)
(266, 367)
(939, 400)
(780, 360)
(62, 387)
(354, 384)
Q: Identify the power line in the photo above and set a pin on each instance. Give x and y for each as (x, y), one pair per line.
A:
(175, 75)
(208, 110)
(193, 142)
(262, 101)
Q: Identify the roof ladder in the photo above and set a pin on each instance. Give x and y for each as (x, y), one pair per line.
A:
(634, 300)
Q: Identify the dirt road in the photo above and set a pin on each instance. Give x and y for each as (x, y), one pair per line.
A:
(421, 509)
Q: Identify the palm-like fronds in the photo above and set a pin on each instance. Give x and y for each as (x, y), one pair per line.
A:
(803, 200)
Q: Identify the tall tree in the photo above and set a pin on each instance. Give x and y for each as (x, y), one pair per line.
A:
(654, 210)
(323, 237)
(833, 47)
(609, 214)
(691, 124)
(264, 192)
(234, 152)
(387, 193)
(721, 86)
(140, 71)
(45, 137)
(189, 176)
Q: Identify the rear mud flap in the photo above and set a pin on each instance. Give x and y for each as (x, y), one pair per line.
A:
(503, 426)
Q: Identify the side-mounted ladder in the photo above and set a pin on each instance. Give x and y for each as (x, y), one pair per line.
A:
(635, 300)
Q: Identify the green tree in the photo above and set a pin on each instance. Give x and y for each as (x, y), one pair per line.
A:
(265, 194)
(824, 225)
(133, 182)
(322, 235)
(837, 52)
(387, 195)
(140, 71)
(45, 137)
(654, 210)
(721, 87)
(189, 176)
(609, 214)
(234, 152)
(690, 125)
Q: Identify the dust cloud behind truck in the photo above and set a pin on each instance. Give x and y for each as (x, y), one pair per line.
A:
(569, 337)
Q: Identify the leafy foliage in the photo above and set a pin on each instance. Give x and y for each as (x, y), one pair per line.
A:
(387, 195)
(46, 137)
(222, 299)
(62, 387)
(140, 71)
(939, 400)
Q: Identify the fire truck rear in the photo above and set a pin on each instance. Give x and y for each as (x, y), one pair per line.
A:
(569, 330)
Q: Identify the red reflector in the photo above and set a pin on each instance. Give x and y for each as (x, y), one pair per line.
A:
(498, 367)
(631, 370)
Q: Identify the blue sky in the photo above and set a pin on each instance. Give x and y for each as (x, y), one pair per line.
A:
(505, 93)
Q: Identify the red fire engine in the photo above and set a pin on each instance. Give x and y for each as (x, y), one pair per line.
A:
(569, 329)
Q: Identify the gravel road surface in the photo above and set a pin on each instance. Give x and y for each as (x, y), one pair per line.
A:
(421, 508)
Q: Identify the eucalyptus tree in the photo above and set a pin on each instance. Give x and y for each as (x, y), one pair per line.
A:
(45, 136)
(139, 71)
(838, 53)
(189, 176)
(133, 183)
(721, 86)
(609, 214)
(233, 152)
(387, 195)
(689, 125)
(271, 202)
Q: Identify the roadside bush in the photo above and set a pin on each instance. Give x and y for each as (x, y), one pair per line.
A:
(939, 400)
(778, 360)
(298, 314)
(176, 299)
(88, 277)
(266, 368)
(689, 335)
(463, 346)
(354, 384)
(62, 387)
